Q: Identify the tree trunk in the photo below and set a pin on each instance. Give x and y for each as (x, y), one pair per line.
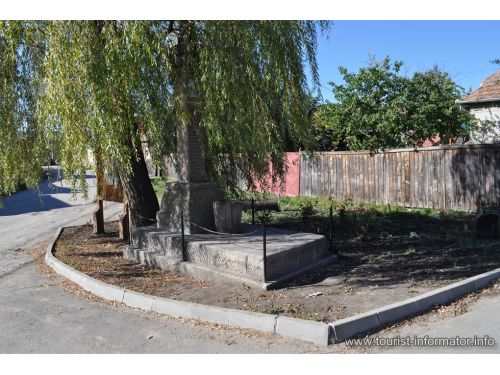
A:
(137, 188)
(139, 193)
(98, 216)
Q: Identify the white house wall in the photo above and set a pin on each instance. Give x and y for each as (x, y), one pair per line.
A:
(489, 130)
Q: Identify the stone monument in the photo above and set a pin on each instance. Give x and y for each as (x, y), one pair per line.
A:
(193, 194)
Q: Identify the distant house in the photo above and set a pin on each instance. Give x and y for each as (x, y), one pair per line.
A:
(484, 103)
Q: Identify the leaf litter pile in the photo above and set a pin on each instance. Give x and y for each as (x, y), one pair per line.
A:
(328, 294)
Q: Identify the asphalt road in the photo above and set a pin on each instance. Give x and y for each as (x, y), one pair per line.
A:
(481, 321)
(38, 315)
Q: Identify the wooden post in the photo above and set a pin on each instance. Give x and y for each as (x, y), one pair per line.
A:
(98, 216)
(123, 224)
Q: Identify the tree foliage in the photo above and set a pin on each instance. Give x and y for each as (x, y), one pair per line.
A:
(378, 107)
(20, 70)
(108, 85)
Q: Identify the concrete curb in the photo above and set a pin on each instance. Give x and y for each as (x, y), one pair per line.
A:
(379, 318)
(306, 330)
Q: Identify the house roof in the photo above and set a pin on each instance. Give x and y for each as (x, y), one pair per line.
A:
(488, 91)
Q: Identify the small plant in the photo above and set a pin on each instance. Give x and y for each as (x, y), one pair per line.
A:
(307, 209)
(363, 223)
(342, 207)
(410, 251)
(264, 216)
(275, 310)
(426, 212)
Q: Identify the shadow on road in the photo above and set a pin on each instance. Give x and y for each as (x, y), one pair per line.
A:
(50, 195)
(30, 201)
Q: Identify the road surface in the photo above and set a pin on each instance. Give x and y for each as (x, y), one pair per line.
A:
(37, 315)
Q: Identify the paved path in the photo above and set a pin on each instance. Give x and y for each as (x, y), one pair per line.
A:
(37, 315)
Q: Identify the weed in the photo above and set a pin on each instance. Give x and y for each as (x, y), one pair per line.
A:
(275, 310)
(307, 209)
(410, 251)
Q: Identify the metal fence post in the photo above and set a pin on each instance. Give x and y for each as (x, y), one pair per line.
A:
(330, 230)
(129, 219)
(182, 237)
(264, 250)
(253, 211)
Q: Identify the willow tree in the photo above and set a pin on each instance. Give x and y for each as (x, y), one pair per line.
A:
(20, 161)
(241, 86)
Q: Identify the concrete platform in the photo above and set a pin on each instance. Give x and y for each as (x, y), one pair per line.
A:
(236, 257)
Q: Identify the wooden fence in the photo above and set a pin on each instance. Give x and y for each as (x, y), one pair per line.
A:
(464, 178)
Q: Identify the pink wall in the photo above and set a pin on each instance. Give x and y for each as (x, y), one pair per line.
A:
(432, 142)
(291, 184)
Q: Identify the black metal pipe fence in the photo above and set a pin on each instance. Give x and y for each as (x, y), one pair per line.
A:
(265, 221)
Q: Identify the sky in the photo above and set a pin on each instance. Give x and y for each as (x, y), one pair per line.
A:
(463, 49)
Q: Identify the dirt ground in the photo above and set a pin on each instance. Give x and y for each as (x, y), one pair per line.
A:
(361, 280)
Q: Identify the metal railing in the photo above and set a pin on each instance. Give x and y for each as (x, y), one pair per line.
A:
(264, 225)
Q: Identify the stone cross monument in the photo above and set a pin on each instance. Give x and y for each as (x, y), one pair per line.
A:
(194, 194)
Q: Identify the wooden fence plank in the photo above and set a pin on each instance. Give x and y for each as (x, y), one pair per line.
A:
(447, 178)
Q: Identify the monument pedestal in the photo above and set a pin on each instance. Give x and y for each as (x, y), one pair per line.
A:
(195, 200)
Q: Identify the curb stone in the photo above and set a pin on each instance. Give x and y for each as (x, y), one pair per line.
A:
(354, 325)
(138, 300)
(379, 318)
(307, 330)
(254, 320)
(316, 332)
(430, 299)
(396, 312)
(213, 314)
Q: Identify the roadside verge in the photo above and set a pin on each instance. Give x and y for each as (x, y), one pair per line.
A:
(307, 330)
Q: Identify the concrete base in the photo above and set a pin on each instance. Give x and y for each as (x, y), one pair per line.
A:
(236, 257)
(195, 200)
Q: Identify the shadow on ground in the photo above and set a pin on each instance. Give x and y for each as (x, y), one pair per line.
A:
(376, 249)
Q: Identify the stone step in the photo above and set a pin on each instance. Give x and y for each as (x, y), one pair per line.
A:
(139, 235)
(158, 241)
(146, 257)
(130, 253)
(150, 258)
(287, 251)
(245, 257)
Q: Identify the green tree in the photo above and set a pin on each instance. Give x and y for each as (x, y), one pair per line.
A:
(20, 63)
(108, 85)
(327, 129)
(378, 108)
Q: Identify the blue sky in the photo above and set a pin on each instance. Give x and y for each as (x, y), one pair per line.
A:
(464, 49)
